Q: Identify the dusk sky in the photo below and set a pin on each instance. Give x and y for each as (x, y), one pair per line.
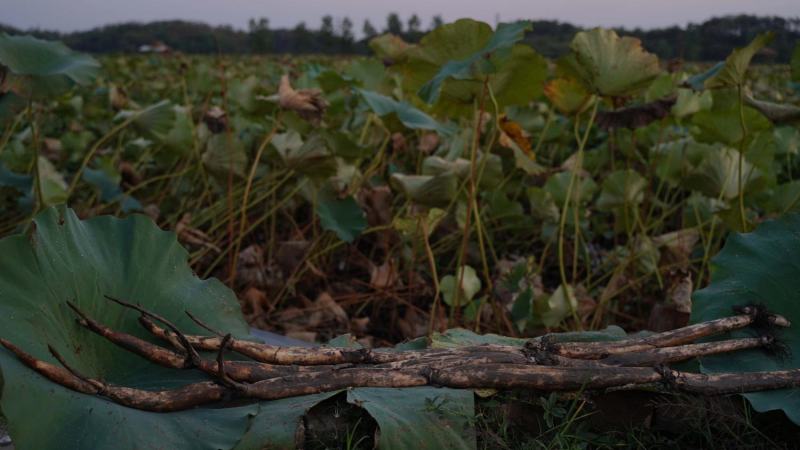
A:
(70, 15)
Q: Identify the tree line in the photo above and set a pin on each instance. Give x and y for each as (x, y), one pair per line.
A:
(707, 41)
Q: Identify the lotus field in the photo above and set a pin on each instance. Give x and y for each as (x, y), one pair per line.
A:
(455, 243)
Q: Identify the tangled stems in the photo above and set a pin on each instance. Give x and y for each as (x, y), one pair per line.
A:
(544, 363)
(742, 146)
(563, 217)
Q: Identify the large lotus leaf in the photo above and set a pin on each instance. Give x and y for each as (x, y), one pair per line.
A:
(491, 167)
(225, 154)
(419, 418)
(106, 179)
(470, 284)
(62, 258)
(517, 79)
(520, 79)
(567, 95)
(453, 41)
(733, 72)
(759, 267)
(558, 185)
(777, 113)
(389, 46)
(410, 116)
(459, 337)
(621, 188)
(698, 82)
(10, 105)
(276, 425)
(795, 64)
(476, 64)
(429, 190)
(180, 139)
(153, 122)
(718, 175)
(689, 102)
(342, 216)
(613, 66)
(722, 123)
(51, 183)
(27, 55)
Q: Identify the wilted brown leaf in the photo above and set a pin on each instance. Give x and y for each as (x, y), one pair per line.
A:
(679, 290)
(117, 97)
(636, 116)
(216, 120)
(512, 131)
(383, 276)
(308, 103)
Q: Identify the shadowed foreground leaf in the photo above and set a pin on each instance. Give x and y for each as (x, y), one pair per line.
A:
(757, 268)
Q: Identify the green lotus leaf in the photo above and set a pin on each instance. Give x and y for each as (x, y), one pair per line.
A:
(310, 157)
(410, 116)
(777, 113)
(61, 258)
(551, 310)
(106, 179)
(689, 102)
(722, 123)
(621, 188)
(225, 154)
(478, 63)
(342, 216)
(10, 105)
(491, 166)
(469, 284)
(420, 417)
(698, 82)
(29, 56)
(389, 46)
(795, 64)
(153, 122)
(51, 183)
(734, 71)
(567, 95)
(428, 190)
(517, 71)
(718, 175)
(612, 66)
(558, 185)
(757, 268)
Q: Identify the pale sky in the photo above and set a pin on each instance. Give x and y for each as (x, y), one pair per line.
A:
(70, 15)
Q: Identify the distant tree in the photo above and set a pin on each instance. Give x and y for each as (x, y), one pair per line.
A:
(711, 40)
(346, 36)
(393, 24)
(326, 28)
(260, 36)
(437, 22)
(327, 38)
(369, 30)
(413, 24)
(302, 39)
